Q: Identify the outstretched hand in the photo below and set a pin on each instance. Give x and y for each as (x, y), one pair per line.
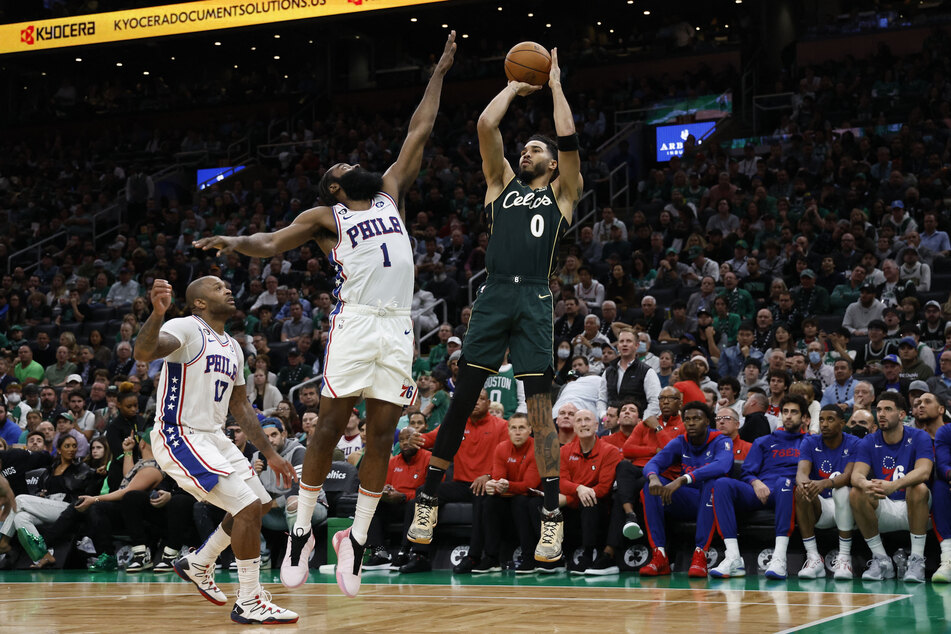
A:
(446, 59)
(222, 243)
(523, 89)
(554, 75)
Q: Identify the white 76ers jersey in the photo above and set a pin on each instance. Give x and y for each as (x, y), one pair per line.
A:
(373, 256)
(195, 385)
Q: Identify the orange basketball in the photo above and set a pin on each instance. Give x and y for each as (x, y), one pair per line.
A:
(528, 62)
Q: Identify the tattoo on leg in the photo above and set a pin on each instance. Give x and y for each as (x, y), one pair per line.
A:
(547, 451)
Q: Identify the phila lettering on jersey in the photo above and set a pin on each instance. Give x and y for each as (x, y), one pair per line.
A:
(197, 379)
(373, 255)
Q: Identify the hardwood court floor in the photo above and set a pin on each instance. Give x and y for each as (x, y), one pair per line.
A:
(74, 601)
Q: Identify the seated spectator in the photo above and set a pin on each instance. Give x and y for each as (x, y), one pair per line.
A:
(264, 396)
(124, 291)
(628, 417)
(294, 373)
(27, 370)
(678, 325)
(860, 314)
(912, 368)
(689, 383)
(869, 357)
(810, 299)
(913, 271)
(66, 426)
(848, 293)
(283, 512)
(757, 421)
(703, 297)
(739, 301)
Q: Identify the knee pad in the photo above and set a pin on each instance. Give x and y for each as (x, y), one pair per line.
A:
(537, 384)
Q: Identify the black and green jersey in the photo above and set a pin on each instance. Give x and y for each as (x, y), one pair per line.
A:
(525, 226)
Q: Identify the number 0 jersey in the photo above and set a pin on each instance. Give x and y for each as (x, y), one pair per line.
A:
(195, 385)
(373, 256)
(525, 226)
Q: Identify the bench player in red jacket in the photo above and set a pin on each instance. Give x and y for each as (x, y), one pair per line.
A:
(405, 474)
(514, 476)
(587, 475)
(472, 468)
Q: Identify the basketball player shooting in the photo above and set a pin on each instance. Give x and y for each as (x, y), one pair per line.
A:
(370, 351)
(201, 380)
(528, 213)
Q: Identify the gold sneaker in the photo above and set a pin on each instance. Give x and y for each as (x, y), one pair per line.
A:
(553, 532)
(425, 515)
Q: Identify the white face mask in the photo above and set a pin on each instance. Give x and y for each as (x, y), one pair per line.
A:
(563, 354)
(642, 347)
(13, 399)
(596, 353)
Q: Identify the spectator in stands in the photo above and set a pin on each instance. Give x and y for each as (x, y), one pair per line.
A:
(733, 359)
(296, 325)
(912, 368)
(702, 298)
(294, 372)
(914, 271)
(847, 293)
(589, 290)
(282, 514)
(602, 228)
(932, 238)
(124, 291)
(627, 377)
(583, 343)
(678, 325)
(757, 421)
(933, 327)
(84, 420)
(105, 512)
(653, 321)
(763, 331)
(940, 384)
(9, 430)
(57, 372)
(700, 266)
(810, 299)
(861, 313)
(893, 290)
(262, 395)
(514, 474)
(26, 369)
(66, 426)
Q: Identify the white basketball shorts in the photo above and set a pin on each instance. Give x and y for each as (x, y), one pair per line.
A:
(370, 353)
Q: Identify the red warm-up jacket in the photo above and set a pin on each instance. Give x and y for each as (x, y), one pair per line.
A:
(596, 470)
(477, 450)
(406, 477)
(517, 465)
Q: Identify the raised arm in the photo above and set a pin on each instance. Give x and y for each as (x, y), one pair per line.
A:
(401, 174)
(569, 184)
(151, 343)
(262, 245)
(496, 169)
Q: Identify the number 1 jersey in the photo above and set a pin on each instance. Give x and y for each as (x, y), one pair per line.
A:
(373, 255)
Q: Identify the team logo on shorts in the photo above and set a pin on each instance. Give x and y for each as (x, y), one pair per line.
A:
(407, 391)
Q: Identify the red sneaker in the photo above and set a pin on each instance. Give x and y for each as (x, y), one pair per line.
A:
(698, 565)
(658, 565)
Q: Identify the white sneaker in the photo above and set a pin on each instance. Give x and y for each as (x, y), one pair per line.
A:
(842, 570)
(258, 609)
(776, 569)
(729, 567)
(943, 573)
(296, 565)
(203, 576)
(879, 568)
(814, 568)
(349, 562)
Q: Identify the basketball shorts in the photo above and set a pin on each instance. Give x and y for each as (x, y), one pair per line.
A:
(370, 354)
(511, 313)
(893, 514)
(827, 513)
(209, 466)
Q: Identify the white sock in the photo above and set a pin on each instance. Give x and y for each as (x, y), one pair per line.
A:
(663, 551)
(306, 502)
(875, 545)
(845, 546)
(918, 544)
(779, 549)
(810, 545)
(732, 548)
(946, 549)
(208, 552)
(366, 506)
(249, 573)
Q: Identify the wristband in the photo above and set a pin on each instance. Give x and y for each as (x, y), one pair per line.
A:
(126, 453)
(568, 143)
(688, 478)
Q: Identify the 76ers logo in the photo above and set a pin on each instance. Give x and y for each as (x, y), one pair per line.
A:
(407, 391)
(890, 470)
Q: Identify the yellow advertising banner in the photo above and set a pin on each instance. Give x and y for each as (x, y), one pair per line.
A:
(175, 19)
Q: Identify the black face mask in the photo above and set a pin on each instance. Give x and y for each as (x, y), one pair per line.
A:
(858, 431)
(359, 184)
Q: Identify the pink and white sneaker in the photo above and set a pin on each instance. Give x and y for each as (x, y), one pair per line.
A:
(349, 562)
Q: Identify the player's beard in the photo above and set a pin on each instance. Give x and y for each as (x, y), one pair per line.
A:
(360, 184)
(528, 174)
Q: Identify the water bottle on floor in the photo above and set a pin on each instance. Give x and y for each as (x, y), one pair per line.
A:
(900, 559)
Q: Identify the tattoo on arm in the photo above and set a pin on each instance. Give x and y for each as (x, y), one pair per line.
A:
(547, 451)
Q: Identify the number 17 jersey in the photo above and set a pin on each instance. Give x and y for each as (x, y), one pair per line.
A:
(373, 255)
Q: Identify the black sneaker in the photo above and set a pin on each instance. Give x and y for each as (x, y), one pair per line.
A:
(527, 566)
(603, 565)
(165, 563)
(399, 561)
(140, 562)
(417, 562)
(550, 567)
(632, 530)
(487, 564)
(379, 559)
(465, 565)
(584, 562)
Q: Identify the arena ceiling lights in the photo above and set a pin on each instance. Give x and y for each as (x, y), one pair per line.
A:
(175, 19)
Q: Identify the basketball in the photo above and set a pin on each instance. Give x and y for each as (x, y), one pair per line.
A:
(528, 62)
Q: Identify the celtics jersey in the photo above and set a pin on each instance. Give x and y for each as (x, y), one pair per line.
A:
(504, 388)
(525, 226)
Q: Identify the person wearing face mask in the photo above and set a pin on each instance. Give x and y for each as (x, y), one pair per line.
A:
(562, 361)
(816, 370)
(644, 354)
